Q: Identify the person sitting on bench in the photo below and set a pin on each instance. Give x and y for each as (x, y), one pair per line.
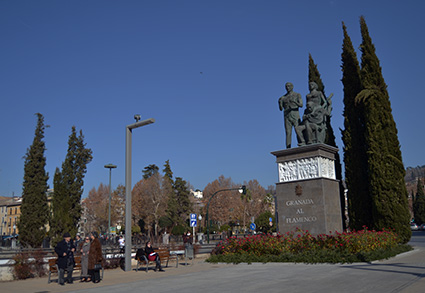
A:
(153, 256)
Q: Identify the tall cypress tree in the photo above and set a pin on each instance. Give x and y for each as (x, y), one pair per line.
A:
(184, 205)
(419, 204)
(172, 212)
(34, 209)
(82, 157)
(385, 167)
(60, 205)
(359, 201)
(314, 76)
(69, 186)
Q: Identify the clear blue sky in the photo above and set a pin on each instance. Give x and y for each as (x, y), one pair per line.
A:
(209, 72)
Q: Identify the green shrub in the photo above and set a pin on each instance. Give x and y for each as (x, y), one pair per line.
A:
(135, 229)
(224, 228)
(21, 269)
(111, 263)
(29, 265)
(38, 267)
(178, 230)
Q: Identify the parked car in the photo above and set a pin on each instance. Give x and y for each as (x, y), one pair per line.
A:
(422, 227)
(413, 227)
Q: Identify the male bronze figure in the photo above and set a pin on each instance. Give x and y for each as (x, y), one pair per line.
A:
(290, 104)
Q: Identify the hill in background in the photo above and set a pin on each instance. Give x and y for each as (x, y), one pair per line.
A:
(411, 178)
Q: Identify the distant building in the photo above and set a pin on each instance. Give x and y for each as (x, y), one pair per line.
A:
(3, 214)
(10, 211)
(197, 193)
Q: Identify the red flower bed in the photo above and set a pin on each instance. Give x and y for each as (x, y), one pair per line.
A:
(302, 241)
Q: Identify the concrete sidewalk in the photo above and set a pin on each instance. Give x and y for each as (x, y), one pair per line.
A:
(403, 273)
(111, 277)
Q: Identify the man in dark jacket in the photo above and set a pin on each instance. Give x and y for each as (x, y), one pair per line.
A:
(65, 251)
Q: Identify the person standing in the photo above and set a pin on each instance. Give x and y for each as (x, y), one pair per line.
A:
(65, 251)
(95, 257)
(187, 239)
(77, 241)
(84, 250)
(121, 243)
(290, 104)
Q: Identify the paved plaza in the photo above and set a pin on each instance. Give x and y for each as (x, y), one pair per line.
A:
(404, 273)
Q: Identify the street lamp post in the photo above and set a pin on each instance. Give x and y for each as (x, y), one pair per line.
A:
(110, 167)
(128, 132)
(241, 189)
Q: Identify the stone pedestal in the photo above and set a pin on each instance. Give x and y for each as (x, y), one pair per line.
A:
(307, 194)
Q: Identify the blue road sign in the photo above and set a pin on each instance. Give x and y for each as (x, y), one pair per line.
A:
(252, 226)
(193, 222)
(270, 219)
(193, 216)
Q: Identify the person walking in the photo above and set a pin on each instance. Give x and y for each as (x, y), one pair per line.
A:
(65, 251)
(95, 258)
(84, 250)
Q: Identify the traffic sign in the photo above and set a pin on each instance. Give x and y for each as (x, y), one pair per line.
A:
(193, 222)
(270, 219)
(193, 216)
(252, 226)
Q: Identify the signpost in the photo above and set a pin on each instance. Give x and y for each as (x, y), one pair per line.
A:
(193, 223)
(193, 220)
(252, 226)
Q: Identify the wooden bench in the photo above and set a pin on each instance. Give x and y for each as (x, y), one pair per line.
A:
(53, 267)
(164, 255)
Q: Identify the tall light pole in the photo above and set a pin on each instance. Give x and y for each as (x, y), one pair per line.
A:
(110, 167)
(241, 189)
(128, 132)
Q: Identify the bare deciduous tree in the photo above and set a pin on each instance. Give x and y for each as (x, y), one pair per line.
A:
(224, 206)
(253, 203)
(97, 207)
(149, 201)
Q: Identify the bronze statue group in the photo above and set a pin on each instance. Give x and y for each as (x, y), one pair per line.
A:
(312, 128)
